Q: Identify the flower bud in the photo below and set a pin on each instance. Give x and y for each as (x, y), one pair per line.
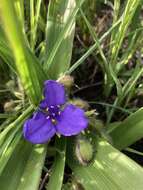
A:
(77, 186)
(84, 151)
(67, 81)
(9, 106)
(80, 103)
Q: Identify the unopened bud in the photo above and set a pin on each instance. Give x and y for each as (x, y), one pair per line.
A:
(77, 186)
(67, 81)
(84, 151)
(80, 103)
(9, 106)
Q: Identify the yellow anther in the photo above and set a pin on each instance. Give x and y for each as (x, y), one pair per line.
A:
(53, 121)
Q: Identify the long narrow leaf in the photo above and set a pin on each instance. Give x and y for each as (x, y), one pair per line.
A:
(32, 172)
(58, 166)
(27, 67)
(60, 33)
(24, 168)
(129, 131)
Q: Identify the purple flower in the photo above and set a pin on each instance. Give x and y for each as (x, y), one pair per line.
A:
(52, 117)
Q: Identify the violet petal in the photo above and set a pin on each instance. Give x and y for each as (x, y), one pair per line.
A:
(43, 104)
(38, 129)
(71, 121)
(54, 93)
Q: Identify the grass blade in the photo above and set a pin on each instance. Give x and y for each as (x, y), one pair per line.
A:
(129, 131)
(58, 166)
(58, 52)
(9, 138)
(91, 50)
(24, 167)
(32, 172)
(126, 17)
(27, 67)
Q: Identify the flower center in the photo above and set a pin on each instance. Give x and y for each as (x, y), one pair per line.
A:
(52, 113)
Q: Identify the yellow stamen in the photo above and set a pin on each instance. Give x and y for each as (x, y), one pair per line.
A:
(58, 135)
(53, 121)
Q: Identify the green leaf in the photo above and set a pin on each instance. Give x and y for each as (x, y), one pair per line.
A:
(5, 51)
(129, 131)
(10, 137)
(58, 166)
(104, 62)
(24, 167)
(32, 172)
(127, 16)
(34, 14)
(16, 124)
(91, 49)
(134, 151)
(110, 170)
(118, 36)
(8, 148)
(29, 69)
(59, 35)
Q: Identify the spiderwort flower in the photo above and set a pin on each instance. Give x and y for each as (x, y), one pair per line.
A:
(53, 116)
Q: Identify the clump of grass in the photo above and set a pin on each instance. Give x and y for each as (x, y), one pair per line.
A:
(100, 44)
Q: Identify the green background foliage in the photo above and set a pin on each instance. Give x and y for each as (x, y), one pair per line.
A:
(36, 42)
